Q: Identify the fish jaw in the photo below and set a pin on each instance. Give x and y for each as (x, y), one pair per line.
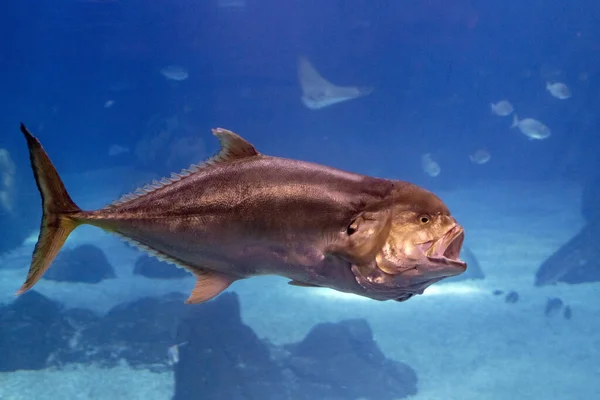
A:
(426, 264)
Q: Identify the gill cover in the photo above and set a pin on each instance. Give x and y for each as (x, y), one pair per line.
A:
(364, 237)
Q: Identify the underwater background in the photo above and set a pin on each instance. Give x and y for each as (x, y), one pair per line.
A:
(491, 105)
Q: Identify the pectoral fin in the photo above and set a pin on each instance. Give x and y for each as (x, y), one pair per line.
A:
(209, 284)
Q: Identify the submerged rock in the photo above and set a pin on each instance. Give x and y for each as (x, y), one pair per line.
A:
(86, 263)
(341, 360)
(213, 353)
(151, 267)
(578, 260)
(31, 329)
(224, 359)
(139, 332)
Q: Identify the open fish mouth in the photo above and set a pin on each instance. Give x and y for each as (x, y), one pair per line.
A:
(446, 250)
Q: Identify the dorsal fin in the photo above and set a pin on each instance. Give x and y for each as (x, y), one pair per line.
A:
(233, 147)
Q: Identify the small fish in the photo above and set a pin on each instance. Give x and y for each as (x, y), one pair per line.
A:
(116, 150)
(480, 156)
(558, 90)
(498, 292)
(173, 353)
(512, 297)
(567, 313)
(109, 103)
(242, 214)
(175, 73)
(553, 306)
(532, 128)
(431, 167)
(318, 92)
(502, 108)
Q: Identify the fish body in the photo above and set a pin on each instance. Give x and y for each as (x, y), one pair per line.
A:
(502, 108)
(244, 214)
(558, 90)
(532, 128)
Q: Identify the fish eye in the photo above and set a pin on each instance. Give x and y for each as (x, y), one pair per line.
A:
(424, 218)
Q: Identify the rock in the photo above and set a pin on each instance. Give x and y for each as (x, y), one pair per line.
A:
(219, 357)
(86, 263)
(31, 329)
(577, 261)
(511, 297)
(590, 199)
(139, 332)
(341, 360)
(224, 359)
(151, 267)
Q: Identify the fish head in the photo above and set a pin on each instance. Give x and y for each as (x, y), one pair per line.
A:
(422, 247)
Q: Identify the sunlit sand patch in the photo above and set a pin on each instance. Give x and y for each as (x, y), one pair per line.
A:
(318, 92)
(335, 295)
(453, 289)
(446, 289)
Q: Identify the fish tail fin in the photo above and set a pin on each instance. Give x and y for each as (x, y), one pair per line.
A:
(492, 107)
(57, 208)
(515, 122)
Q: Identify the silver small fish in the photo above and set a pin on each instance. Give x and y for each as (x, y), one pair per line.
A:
(532, 128)
(558, 90)
(502, 108)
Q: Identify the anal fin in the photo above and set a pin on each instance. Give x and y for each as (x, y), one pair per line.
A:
(302, 284)
(209, 284)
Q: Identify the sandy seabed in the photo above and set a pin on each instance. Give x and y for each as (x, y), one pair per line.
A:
(464, 342)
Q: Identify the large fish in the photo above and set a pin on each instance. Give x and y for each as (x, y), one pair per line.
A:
(243, 214)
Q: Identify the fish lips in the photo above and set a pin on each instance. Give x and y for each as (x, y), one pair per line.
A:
(445, 252)
(438, 260)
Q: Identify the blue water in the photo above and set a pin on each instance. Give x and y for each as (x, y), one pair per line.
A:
(85, 76)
